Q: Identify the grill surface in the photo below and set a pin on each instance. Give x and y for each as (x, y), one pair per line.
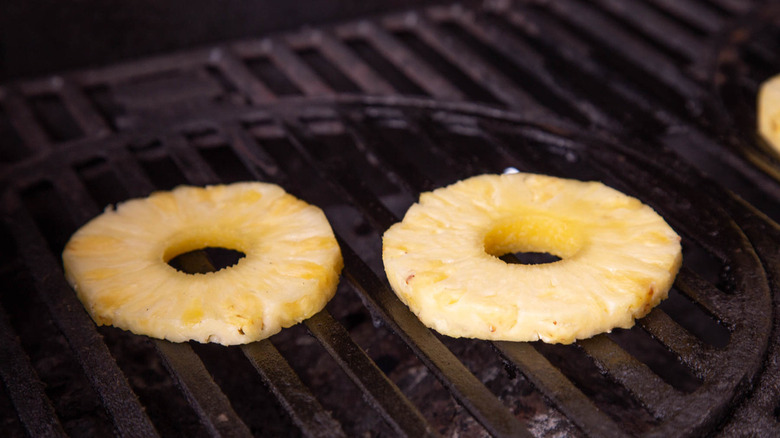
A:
(648, 105)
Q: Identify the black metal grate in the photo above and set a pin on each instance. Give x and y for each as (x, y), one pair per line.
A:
(574, 89)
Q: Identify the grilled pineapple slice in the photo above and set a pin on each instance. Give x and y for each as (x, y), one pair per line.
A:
(117, 263)
(769, 111)
(618, 258)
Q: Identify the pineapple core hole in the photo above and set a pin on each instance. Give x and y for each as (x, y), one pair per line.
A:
(209, 259)
(533, 240)
(529, 258)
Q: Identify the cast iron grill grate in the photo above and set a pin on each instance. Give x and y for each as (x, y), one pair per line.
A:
(554, 101)
(336, 153)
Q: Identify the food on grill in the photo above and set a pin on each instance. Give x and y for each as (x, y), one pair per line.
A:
(117, 263)
(618, 258)
(769, 111)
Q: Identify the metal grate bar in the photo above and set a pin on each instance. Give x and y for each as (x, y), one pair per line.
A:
(704, 294)
(82, 111)
(130, 173)
(555, 386)
(195, 169)
(464, 386)
(295, 397)
(734, 7)
(592, 80)
(334, 171)
(24, 387)
(655, 27)
(138, 69)
(76, 197)
(237, 72)
(256, 159)
(523, 55)
(692, 351)
(205, 396)
(470, 63)
(410, 64)
(23, 120)
(352, 66)
(693, 13)
(297, 70)
(638, 59)
(92, 354)
(396, 409)
(400, 170)
(655, 394)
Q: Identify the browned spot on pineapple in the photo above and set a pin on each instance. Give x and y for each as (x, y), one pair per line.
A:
(409, 278)
(193, 315)
(555, 322)
(241, 330)
(492, 328)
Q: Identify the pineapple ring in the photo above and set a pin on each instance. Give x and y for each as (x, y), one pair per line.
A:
(117, 263)
(769, 111)
(618, 258)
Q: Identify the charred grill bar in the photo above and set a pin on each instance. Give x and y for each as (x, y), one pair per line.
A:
(653, 97)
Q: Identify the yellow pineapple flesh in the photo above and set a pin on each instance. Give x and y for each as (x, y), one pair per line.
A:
(117, 263)
(618, 258)
(769, 111)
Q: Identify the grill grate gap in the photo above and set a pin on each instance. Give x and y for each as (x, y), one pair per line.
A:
(382, 66)
(226, 84)
(265, 70)
(102, 99)
(455, 75)
(706, 265)
(415, 151)
(158, 165)
(226, 164)
(694, 319)
(101, 182)
(716, 7)
(215, 150)
(55, 118)
(607, 395)
(340, 152)
(13, 148)
(657, 357)
(75, 402)
(41, 200)
(332, 75)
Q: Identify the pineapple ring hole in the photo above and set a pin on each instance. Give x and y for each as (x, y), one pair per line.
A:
(204, 249)
(533, 240)
(204, 260)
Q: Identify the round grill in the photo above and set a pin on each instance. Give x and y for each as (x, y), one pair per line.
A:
(694, 365)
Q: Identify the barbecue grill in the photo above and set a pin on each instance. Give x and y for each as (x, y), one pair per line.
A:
(652, 97)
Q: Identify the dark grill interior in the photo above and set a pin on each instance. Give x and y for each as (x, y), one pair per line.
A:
(652, 97)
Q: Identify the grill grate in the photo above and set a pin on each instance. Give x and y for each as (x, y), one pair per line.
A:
(309, 155)
(563, 88)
